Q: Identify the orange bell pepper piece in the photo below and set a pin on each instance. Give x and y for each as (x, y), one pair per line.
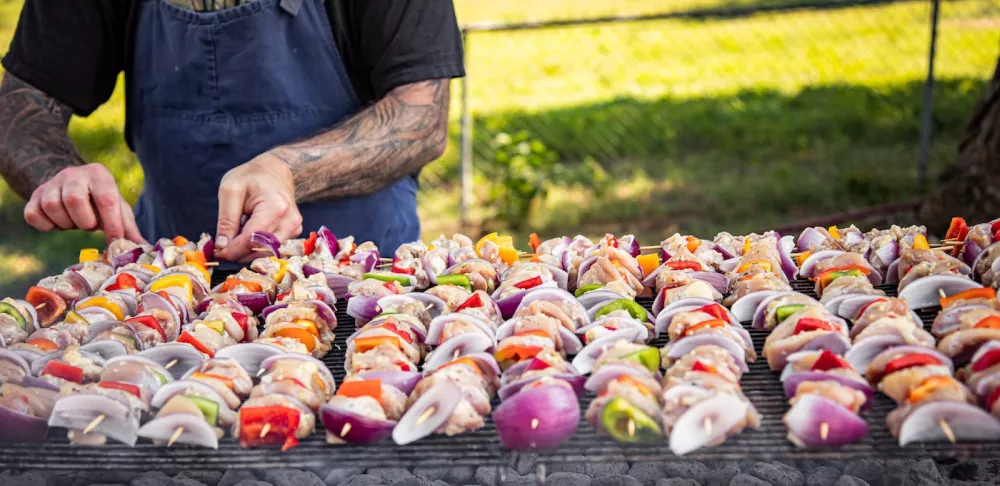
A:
(365, 344)
(980, 293)
(366, 388)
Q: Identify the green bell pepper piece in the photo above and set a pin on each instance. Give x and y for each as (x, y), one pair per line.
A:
(12, 311)
(389, 277)
(587, 288)
(617, 416)
(647, 356)
(208, 408)
(457, 280)
(125, 338)
(635, 310)
(783, 312)
(159, 376)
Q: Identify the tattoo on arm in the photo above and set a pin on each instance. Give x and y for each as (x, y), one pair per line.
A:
(34, 143)
(394, 137)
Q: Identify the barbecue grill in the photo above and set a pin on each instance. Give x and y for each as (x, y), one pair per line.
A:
(482, 447)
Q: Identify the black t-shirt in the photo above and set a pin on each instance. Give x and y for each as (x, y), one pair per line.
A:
(74, 50)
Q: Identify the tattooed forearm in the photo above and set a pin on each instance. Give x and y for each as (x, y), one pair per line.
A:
(369, 151)
(34, 145)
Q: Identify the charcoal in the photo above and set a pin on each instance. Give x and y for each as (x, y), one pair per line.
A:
(431, 473)
(747, 480)
(576, 464)
(210, 478)
(778, 474)
(233, 476)
(868, 469)
(389, 475)
(677, 482)
(460, 475)
(646, 472)
(567, 479)
(822, 476)
(526, 462)
(253, 482)
(8, 478)
(362, 480)
(186, 481)
(154, 478)
(338, 475)
(686, 470)
(850, 481)
(616, 480)
(412, 481)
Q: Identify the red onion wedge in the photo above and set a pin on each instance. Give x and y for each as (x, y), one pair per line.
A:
(363, 307)
(329, 240)
(760, 313)
(21, 427)
(722, 411)
(977, 260)
(513, 388)
(195, 432)
(462, 344)
(816, 421)
(600, 378)
(438, 403)
(620, 323)
(250, 356)
(849, 308)
(435, 306)
(659, 308)
(149, 301)
(715, 279)
(404, 381)
(106, 348)
(437, 326)
(8, 355)
(677, 349)
(559, 275)
(745, 308)
(810, 238)
(508, 305)
(808, 266)
(892, 272)
(354, 428)
(788, 267)
(726, 254)
(337, 283)
(540, 418)
(584, 266)
(263, 239)
(792, 382)
(79, 411)
(925, 292)
(255, 301)
(594, 297)
(965, 423)
(864, 351)
(585, 359)
(127, 257)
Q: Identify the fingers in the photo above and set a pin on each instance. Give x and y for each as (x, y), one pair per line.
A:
(131, 228)
(240, 248)
(108, 202)
(34, 215)
(231, 202)
(55, 210)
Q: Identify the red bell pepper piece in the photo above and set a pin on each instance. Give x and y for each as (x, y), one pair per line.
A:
(865, 307)
(188, 338)
(397, 268)
(53, 308)
(807, 324)
(829, 361)
(707, 368)
(989, 322)
(537, 364)
(611, 240)
(150, 322)
(282, 295)
(987, 360)
(393, 328)
(910, 361)
(684, 265)
(474, 301)
(715, 310)
(62, 370)
(958, 229)
(309, 246)
(242, 320)
(534, 241)
(529, 283)
(705, 325)
(123, 281)
(282, 420)
(992, 398)
(225, 380)
(391, 286)
(117, 385)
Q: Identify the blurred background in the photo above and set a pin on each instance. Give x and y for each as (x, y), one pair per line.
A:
(653, 116)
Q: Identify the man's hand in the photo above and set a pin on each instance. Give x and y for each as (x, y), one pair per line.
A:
(82, 197)
(263, 190)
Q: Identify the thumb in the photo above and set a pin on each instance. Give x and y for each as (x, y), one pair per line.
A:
(230, 212)
(131, 228)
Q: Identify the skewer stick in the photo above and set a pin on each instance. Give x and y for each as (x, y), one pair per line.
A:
(455, 356)
(824, 430)
(170, 364)
(631, 427)
(93, 424)
(534, 424)
(947, 430)
(384, 259)
(643, 248)
(42, 305)
(427, 414)
(177, 435)
(945, 248)
(212, 264)
(384, 265)
(261, 250)
(346, 429)
(265, 430)
(941, 293)
(260, 372)
(708, 425)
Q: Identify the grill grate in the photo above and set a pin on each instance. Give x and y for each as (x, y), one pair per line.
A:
(482, 447)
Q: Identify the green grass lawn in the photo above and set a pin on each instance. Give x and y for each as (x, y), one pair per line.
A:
(730, 124)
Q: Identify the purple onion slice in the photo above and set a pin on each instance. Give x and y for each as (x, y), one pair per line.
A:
(513, 388)
(808, 266)
(621, 323)
(595, 297)
(559, 275)
(810, 238)
(600, 378)
(745, 308)
(508, 305)
(723, 411)
(785, 246)
(729, 265)
(196, 431)
(324, 295)
(681, 347)
(79, 411)
(864, 351)
(715, 279)
(977, 260)
(585, 359)
(20, 427)
(329, 239)
(29, 355)
(540, 418)
(792, 382)
(849, 307)
(363, 308)
(440, 400)
(925, 292)
(966, 423)
(404, 381)
(263, 239)
(584, 266)
(150, 300)
(8, 355)
(354, 428)
(892, 272)
(760, 312)
(127, 257)
(106, 348)
(684, 304)
(816, 421)
(250, 356)
(254, 301)
(462, 344)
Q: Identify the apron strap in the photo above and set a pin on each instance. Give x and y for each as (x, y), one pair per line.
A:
(291, 6)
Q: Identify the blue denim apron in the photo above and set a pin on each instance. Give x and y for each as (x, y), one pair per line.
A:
(212, 90)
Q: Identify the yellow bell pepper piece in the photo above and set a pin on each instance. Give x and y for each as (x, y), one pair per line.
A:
(73, 318)
(801, 259)
(649, 263)
(746, 266)
(177, 280)
(282, 268)
(151, 268)
(508, 255)
(307, 325)
(103, 303)
(746, 245)
(693, 243)
(501, 241)
(834, 232)
(89, 255)
(180, 241)
(217, 326)
(920, 242)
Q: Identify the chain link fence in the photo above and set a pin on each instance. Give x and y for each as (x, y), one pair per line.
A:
(733, 115)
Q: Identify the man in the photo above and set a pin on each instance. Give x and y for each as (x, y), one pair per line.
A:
(263, 115)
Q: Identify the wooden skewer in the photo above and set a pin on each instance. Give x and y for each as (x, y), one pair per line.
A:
(941, 293)
(260, 372)
(657, 247)
(427, 414)
(346, 429)
(824, 430)
(384, 265)
(708, 425)
(947, 430)
(534, 424)
(170, 364)
(631, 427)
(384, 259)
(212, 264)
(177, 435)
(455, 356)
(261, 250)
(93, 424)
(945, 248)
(265, 430)
(42, 305)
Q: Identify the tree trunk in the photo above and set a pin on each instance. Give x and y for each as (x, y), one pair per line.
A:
(971, 186)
